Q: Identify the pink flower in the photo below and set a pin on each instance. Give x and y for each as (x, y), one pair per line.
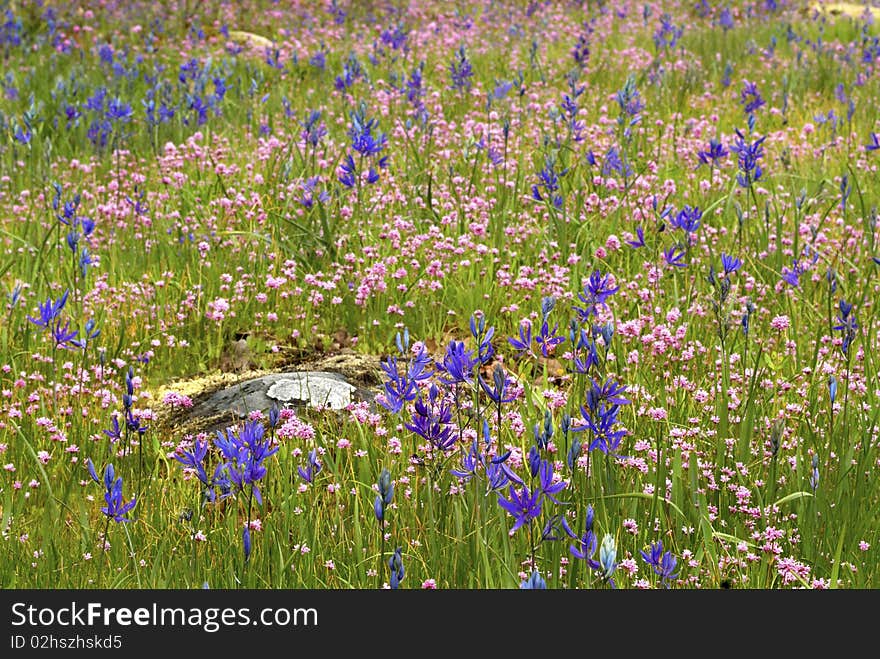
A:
(429, 584)
(780, 323)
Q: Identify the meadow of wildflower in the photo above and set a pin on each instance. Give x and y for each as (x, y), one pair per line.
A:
(618, 260)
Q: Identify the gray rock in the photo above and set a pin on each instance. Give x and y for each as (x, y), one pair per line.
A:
(294, 389)
(314, 389)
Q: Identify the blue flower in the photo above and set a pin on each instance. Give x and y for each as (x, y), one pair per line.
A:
(547, 339)
(607, 556)
(587, 543)
(597, 290)
(548, 179)
(313, 467)
(750, 98)
(245, 451)
(847, 325)
(640, 239)
(434, 427)
(460, 71)
(674, 256)
(395, 565)
(483, 337)
(116, 507)
(458, 364)
(749, 153)
(386, 493)
(664, 563)
(791, 276)
(713, 153)
(62, 335)
(501, 383)
(730, 264)
(547, 487)
(534, 582)
(688, 219)
(524, 344)
(875, 143)
(361, 133)
(609, 392)
(50, 310)
(523, 506)
(668, 34)
(192, 459)
(348, 169)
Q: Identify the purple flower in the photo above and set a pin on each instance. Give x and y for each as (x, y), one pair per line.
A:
(523, 506)
(313, 467)
(792, 275)
(749, 153)
(688, 219)
(547, 339)
(50, 310)
(663, 562)
(395, 565)
(524, 344)
(501, 383)
(730, 263)
(713, 153)
(640, 242)
(433, 427)
(587, 543)
(674, 256)
(192, 459)
(610, 392)
(750, 98)
(548, 487)
(460, 71)
(597, 290)
(458, 364)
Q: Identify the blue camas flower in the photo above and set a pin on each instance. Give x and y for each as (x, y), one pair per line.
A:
(116, 507)
(640, 239)
(192, 459)
(312, 468)
(730, 264)
(688, 219)
(664, 563)
(548, 339)
(714, 152)
(607, 558)
(587, 543)
(245, 451)
(50, 310)
(432, 421)
(395, 565)
(386, 494)
(524, 506)
(596, 292)
(847, 325)
(674, 256)
(534, 582)
(750, 98)
(749, 153)
(524, 343)
(458, 364)
(460, 71)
